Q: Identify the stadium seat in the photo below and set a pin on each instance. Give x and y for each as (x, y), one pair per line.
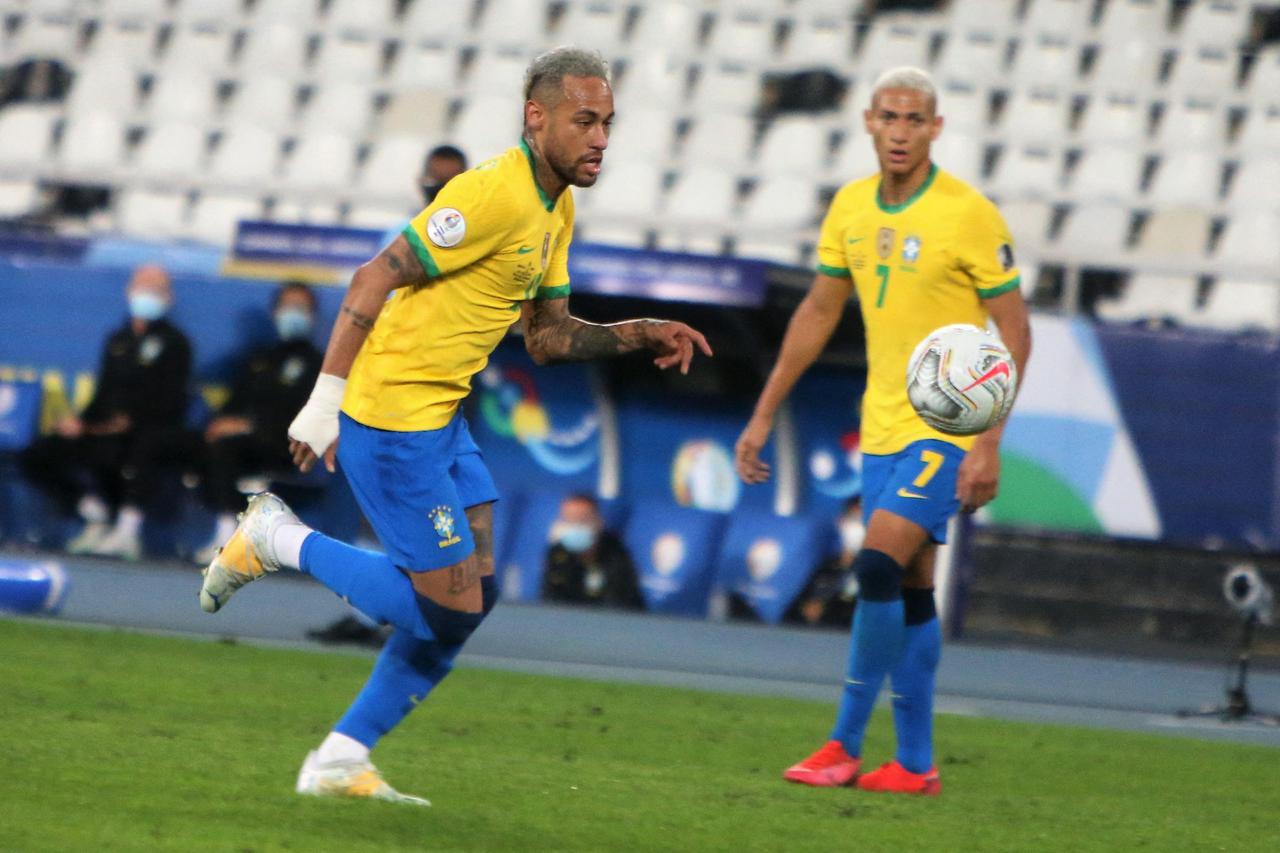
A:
(340, 106)
(796, 145)
(1127, 65)
(444, 22)
(423, 112)
(780, 204)
(320, 161)
(709, 241)
(1069, 18)
(499, 74)
(131, 43)
(1027, 171)
(890, 46)
(171, 149)
(151, 215)
(348, 59)
(277, 48)
(1203, 72)
(1192, 178)
(1035, 115)
(768, 559)
(965, 110)
(488, 125)
(284, 11)
(701, 196)
(653, 79)
(26, 133)
(214, 217)
(612, 234)
(1223, 23)
(427, 66)
(380, 217)
(1114, 120)
(1235, 304)
(1264, 78)
(974, 58)
(771, 249)
(206, 49)
(45, 36)
(1254, 185)
(265, 100)
(741, 35)
(17, 197)
(246, 156)
(393, 167)
(227, 13)
(1174, 236)
(1192, 124)
(311, 213)
(726, 88)
(1028, 222)
(365, 17)
(1152, 297)
(599, 24)
(668, 27)
(989, 16)
(143, 10)
(1249, 242)
(1107, 173)
(1260, 130)
(1048, 59)
(183, 95)
(1094, 233)
(819, 42)
(1122, 18)
(961, 155)
(674, 549)
(109, 85)
(628, 191)
(718, 139)
(518, 24)
(645, 133)
(93, 144)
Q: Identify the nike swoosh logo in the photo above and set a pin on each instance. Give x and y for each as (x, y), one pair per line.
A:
(524, 250)
(903, 493)
(1001, 369)
(853, 240)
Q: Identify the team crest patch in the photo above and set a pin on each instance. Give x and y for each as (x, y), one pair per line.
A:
(442, 520)
(446, 227)
(884, 243)
(911, 249)
(1005, 254)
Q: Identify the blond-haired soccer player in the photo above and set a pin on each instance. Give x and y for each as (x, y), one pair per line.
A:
(921, 249)
(417, 323)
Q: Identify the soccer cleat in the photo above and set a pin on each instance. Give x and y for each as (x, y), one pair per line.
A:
(248, 554)
(829, 767)
(118, 543)
(893, 778)
(358, 779)
(88, 538)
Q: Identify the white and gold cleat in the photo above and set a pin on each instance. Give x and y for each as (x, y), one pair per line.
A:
(355, 779)
(248, 554)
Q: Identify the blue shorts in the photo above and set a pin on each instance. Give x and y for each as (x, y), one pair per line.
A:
(917, 483)
(415, 488)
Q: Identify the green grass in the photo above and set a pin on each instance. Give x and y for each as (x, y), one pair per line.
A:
(117, 741)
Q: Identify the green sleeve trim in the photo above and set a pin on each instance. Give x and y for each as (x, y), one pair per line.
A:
(836, 272)
(558, 292)
(1011, 284)
(420, 250)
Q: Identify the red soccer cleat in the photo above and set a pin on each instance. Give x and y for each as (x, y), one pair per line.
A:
(829, 767)
(893, 778)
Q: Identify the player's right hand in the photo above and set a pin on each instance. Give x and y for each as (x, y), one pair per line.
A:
(314, 432)
(746, 453)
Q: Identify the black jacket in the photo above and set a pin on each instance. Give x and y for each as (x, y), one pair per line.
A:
(605, 575)
(273, 384)
(143, 376)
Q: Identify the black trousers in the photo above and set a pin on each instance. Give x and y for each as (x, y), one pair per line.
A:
(236, 456)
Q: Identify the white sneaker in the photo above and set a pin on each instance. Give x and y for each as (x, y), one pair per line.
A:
(248, 554)
(349, 779)
(118, 543)
(89, 537)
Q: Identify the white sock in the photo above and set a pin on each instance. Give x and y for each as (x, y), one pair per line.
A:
(129, 521)
(287, 543)
(226, 526)
(338, 747)
(93, 510)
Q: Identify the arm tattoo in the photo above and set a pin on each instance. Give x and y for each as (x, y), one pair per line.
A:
(360, 321)
(567, 338)
(464, 575)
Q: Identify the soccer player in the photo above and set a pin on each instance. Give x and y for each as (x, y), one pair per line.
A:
(921, 249)
(419, 321)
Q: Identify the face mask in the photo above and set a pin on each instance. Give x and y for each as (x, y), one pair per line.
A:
(576, 537)
(293, 324)
(147, 306)
(430, 191)
(851, 535)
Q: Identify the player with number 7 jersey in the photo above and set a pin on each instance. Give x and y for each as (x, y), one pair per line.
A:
(921, 249)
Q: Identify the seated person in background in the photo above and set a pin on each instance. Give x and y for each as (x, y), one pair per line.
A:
(101, 459)
(248, 435)
(443, 163)
(587, 564)
(829, 597)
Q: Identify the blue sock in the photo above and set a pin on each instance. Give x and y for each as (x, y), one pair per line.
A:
(913, 680)
(407, 670)
(368, 581)
(875, 645)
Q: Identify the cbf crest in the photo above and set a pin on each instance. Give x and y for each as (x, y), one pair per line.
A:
(442, 520)
(911, 249)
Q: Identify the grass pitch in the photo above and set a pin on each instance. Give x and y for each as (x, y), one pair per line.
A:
(119, 741)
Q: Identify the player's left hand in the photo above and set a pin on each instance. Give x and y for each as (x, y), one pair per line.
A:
(978, 479)
(674, 343)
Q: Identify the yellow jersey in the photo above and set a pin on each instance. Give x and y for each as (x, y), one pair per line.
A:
(915, 266)
(491, 240)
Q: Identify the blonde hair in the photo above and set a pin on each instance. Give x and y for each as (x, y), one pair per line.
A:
(906, 77)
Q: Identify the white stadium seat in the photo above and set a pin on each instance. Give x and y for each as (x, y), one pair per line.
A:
(1028, 222)
(18, 198)
(224, 12)
(172, 149)
(795, 145)
(1070, 18)
(266, 100)
(360, 16)
(1048, 60)
(310, 212)
(179, 95)
(780, 204)
(380, 217)
(745, 36)
(1235, 304)
(666, 26)
(890, 46)
(393, 167)
(701, 196)
(1122, 18)
(320, 161)
(109, 85)
(204, 48)
(964, 110)
(1094, 233)
(1261, 129)
(45, 36)
(1114, 120)
(445, 22)
(1192, 124)
(1152, 297)
(214, 217)
(641, 134)
(599, 24)
(1264, 78)
(718, 139)
(1189, 177)
(1203, 71)
(1217, 22)
(818, 42)
(93, 144)
(354, 59)
(488, 125)
(130, 43)
(1255, 185)
(151, 215)
(1249, 241)
(423, 112)
(1107, 173)
(1031, 171)
(993, 16)
(342, 107)
(1177, 235)
(856, 157)
(286, 11)
(1035, 116)
(774, 250)
(627, 191)
(654, 78)
(498, 74)
(975, 58)
(1129, 65)
(246, 156)
(726, 88)
(514, 24)
(960, 154)
(26, 134)
(277, 48)
(147, 10)
(425, 66)
(610, 234)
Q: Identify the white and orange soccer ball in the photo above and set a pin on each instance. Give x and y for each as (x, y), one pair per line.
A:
(961, 380)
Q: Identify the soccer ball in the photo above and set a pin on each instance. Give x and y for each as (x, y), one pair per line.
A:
(961, 380)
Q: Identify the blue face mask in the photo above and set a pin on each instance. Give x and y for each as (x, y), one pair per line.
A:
(293, 324)
(576, 538)
(147, 306)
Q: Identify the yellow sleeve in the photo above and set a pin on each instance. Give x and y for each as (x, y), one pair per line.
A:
(831, 256)
(555, 284)
(470, 219)
(985, 251)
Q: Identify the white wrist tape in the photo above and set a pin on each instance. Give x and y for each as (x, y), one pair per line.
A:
(317, 424)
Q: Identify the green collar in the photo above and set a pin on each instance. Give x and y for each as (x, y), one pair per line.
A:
(898, 208)
(547, 201)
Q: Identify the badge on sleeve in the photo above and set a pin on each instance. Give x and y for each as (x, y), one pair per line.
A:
(446, 227)
(1005, 254)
